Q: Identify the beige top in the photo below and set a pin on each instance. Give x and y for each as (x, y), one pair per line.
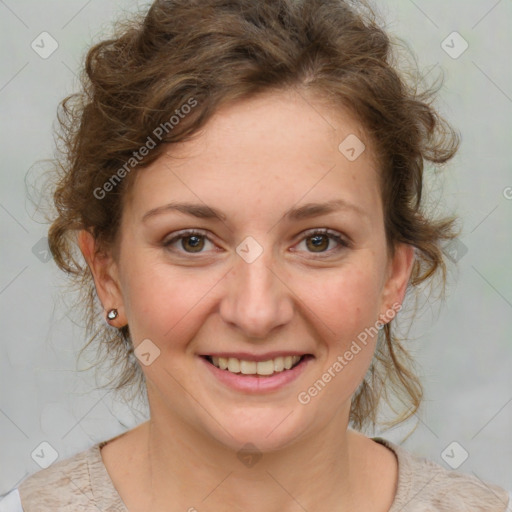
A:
(82, 484)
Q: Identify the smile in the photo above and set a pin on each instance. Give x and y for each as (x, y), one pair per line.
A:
(263, 368)
(250, 373)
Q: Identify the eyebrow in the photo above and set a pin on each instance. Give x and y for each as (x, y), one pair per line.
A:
(196, 210)
(306, 211)
(316, 209)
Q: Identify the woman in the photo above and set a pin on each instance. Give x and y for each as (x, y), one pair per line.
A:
(243, 180)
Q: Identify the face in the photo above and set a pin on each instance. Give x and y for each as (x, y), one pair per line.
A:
(256, 244)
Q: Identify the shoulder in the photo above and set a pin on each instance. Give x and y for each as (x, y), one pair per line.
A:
(60, 472)
(71, 484)
(425, 486)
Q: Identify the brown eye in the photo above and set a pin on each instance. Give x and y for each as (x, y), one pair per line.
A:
(319, 243)
(189, 242)
(194, 241)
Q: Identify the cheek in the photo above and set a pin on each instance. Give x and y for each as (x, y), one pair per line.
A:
(163, 302)
(346, 299)
(346, 306)
(346, 303)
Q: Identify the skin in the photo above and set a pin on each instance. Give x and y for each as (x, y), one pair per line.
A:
(253, 161)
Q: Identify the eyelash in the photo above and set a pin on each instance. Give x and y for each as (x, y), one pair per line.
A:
(332, 235)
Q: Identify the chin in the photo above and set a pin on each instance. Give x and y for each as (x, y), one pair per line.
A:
(268, 430)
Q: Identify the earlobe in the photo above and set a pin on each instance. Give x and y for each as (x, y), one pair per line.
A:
(103, 269)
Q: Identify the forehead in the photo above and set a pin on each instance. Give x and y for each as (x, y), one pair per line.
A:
(289, 123)
(272, 149)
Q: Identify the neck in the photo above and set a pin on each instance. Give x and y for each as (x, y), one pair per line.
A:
(318, 471)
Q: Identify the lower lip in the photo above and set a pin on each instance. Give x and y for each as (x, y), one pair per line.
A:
(256, 383)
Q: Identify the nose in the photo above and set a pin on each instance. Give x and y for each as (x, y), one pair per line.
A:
(257, 300)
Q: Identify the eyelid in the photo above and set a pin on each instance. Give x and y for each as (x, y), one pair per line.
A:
(179, 235)
(325, 231)
(342, 240)
(184, 233)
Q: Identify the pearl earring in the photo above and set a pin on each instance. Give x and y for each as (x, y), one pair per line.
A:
(112, 314)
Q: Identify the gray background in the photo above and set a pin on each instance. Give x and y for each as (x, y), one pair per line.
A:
(463, 346)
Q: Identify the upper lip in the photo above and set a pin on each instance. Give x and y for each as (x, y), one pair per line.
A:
(246, 356)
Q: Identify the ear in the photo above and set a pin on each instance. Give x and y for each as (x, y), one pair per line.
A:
(105, 274)
(399, 272)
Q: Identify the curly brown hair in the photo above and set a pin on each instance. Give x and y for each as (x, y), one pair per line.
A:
(206, 54)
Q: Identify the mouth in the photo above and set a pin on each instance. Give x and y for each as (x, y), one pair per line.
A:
(262, 368)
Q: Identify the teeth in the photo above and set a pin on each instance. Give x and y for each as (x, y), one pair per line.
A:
(265, 367)
(248, 367)
(278, 364)
(233, 365)
(269, 367)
